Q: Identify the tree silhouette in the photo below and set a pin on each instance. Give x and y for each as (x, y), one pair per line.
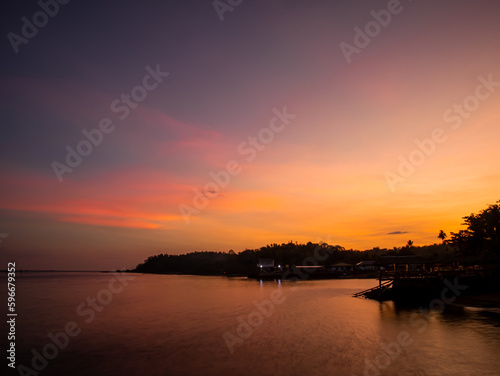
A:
(442, 235)
(482, 233)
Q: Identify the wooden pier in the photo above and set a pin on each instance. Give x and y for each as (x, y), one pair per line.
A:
(417, 286)
(376, 292)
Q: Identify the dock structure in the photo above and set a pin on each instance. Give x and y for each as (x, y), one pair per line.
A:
(376, 292)
(414, 278)
(418, 285)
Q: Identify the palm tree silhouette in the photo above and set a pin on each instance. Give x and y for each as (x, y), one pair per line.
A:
(442, 235)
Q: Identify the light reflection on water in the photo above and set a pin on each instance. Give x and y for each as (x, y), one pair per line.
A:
(174, 325)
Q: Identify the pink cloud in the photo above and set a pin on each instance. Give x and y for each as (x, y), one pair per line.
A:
(143, 198)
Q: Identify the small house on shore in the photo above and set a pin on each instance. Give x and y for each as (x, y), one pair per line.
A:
(265, 265)
(402, 263)
(340, 267)
(367, 266)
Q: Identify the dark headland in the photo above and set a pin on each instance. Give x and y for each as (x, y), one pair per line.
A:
(406, 273)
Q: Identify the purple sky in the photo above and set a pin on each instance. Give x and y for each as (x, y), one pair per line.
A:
(333, 172)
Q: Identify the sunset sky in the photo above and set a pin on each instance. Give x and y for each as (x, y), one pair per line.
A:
(334, 170)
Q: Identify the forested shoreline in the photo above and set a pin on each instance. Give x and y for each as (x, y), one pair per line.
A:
(480, 242)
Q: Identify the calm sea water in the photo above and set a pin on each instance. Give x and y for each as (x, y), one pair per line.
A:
(189, 325)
